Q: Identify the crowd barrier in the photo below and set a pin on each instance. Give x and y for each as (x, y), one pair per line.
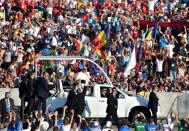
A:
(172, 102)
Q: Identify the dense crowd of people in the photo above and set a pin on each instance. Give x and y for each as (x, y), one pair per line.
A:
(32, 28)
(156, 29)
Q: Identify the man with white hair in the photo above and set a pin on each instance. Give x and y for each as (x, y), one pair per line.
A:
(84, 75)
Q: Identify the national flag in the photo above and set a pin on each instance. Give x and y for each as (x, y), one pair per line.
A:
(149, 36)
(94, 70)
(168, 8)
(66, 71)
(23, 5)
(154, 31)
(101, 54)
(131, 64)
(80, 46)
(102, 37)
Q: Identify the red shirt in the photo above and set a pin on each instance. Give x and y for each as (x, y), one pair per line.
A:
(112, 69)
(31, 5)
(135, 34)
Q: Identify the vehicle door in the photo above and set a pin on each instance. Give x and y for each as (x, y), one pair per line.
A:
(121, 104)
(90, 103)
(102, 101)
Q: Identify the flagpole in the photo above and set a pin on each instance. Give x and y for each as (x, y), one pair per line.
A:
(155, 32)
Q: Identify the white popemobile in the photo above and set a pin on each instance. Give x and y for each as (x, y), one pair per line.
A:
(129, 106)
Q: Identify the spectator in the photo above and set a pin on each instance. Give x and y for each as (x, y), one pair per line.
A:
(124, 126)
(182, 124)
(174, 68)
(35, 28)
(108, 126)
(95, 126)
(151, 126)
(169, 125)
(140, 123)
(84, 125)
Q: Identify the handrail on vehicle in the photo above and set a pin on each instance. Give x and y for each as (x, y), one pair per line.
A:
(71, 58)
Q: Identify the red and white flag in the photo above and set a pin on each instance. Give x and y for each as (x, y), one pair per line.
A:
(131, 64)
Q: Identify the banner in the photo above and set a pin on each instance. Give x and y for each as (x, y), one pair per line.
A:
(165, 24)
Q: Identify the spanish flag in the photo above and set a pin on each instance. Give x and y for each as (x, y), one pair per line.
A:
(101, 54)
(102, 38)
(79, 45)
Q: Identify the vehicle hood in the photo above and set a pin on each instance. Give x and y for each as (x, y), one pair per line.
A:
(143, 101)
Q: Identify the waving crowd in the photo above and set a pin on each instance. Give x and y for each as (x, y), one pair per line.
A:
(157, 30)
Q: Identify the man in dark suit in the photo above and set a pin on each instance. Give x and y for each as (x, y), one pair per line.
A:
(22, 95)
(70, 100)
(30, 91)
(80, 101)
(42, 91)
(153, 104)
(111, 109)
(6, 106)
(104, 93)
(79, 104)
(26, 90)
